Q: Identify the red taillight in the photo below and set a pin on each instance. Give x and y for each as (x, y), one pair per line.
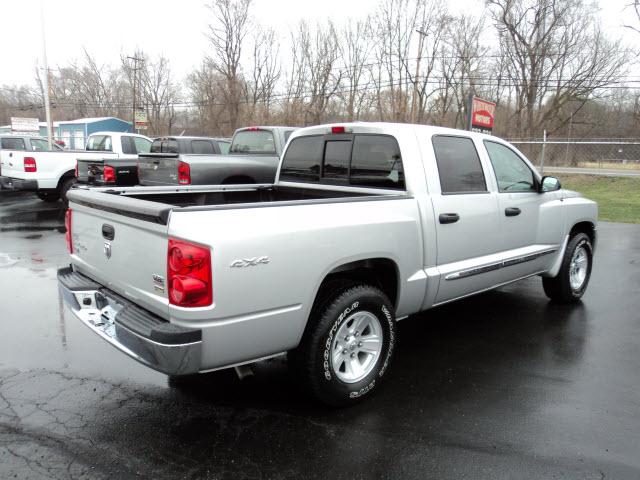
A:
(338, 129)
(67, 224)
(189, 274)
(76, 173)
(252, 129)
(30, 164)
(184, 173)
(108, 174)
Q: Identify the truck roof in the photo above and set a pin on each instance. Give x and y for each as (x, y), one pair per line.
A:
(386, 127)
(192, 137)
(120, 134)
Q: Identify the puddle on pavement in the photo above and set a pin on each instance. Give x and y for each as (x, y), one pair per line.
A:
(7, 260)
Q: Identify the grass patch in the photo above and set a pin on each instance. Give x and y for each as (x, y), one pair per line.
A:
(618, 197)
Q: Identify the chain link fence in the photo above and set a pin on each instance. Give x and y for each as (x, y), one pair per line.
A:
(605, 154)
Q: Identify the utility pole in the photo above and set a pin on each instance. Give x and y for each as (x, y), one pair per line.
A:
(135, 60)
(47, 105)
(421, 35)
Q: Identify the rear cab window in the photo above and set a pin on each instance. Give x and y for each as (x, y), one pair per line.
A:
(459, 165)
(164, 145)
(253, 141)
(99, 143)
(12, 143)
(364, 160)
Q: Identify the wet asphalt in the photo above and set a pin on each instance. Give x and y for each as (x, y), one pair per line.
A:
(501, 385)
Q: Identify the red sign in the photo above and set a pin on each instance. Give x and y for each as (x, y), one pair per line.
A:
(482, 115)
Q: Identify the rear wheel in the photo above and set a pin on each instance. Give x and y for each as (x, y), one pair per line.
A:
(348, 346)
(48, 196)
(65, 186)
(575, 271)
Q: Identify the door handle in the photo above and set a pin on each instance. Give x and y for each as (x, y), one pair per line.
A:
(448, 218)
(512, 211)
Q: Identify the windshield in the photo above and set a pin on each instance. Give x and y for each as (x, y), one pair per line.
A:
(99, 143)
(253, 141)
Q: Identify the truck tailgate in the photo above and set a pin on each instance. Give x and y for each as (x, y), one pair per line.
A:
(158, 169)
(123, 171)
(122, 244)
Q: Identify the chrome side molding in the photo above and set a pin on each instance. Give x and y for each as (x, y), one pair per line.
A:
(469, 272)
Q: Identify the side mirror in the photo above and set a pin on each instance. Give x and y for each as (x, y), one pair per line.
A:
(549, 184)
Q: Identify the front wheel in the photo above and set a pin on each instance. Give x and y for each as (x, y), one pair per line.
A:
(575, 271)
(348, 346)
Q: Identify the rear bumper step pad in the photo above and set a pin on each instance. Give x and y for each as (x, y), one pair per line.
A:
(147, 338)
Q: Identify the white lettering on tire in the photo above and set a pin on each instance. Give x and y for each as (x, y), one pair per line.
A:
(332, 332)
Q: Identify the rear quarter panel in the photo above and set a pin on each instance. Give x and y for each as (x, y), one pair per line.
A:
(263, 309)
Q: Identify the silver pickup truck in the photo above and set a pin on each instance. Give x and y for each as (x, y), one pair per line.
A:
(252, 157)
(366, 224)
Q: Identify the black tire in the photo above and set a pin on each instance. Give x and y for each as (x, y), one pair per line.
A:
(48, 196)
(66, 184)
(312, 359)
(559, 288)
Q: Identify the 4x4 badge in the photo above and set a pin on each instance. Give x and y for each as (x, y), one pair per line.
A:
(249, 262)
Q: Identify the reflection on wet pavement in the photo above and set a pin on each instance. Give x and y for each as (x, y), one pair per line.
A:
(501, 385)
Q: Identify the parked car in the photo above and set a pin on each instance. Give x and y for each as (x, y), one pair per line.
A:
(50, 174)
(366, 224)
(253, 157)
(112, 170)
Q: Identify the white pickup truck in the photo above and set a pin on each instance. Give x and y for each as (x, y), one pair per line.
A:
(50, 174)
(366, 224)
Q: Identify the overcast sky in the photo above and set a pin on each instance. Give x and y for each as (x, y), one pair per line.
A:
(173, 28)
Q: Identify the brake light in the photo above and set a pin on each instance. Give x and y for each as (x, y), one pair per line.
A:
(30, 164)
(108, 174)
(252, 129)
(76, 172)
(67, 223)
(189, 274)
(184, 173)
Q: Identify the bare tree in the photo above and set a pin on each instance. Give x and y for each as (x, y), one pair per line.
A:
(395, 22)
(355, 45)
(265, 73)
(226, 35)
(157, 91)
(548, 64)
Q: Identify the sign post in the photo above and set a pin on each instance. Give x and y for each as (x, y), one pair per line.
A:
(481, 115)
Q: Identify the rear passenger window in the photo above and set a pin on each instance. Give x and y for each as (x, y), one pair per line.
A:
(302, 160)
(128, 147)
(201, 146)
(458, 165)
(12, 144)
(376, 162)
(336, 159)
(224, 147)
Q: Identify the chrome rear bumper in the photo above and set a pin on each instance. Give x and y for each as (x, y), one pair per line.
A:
(143, 336)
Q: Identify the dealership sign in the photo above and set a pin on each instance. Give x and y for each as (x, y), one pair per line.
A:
(24, 125)
(141, 122)
(482, 114)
